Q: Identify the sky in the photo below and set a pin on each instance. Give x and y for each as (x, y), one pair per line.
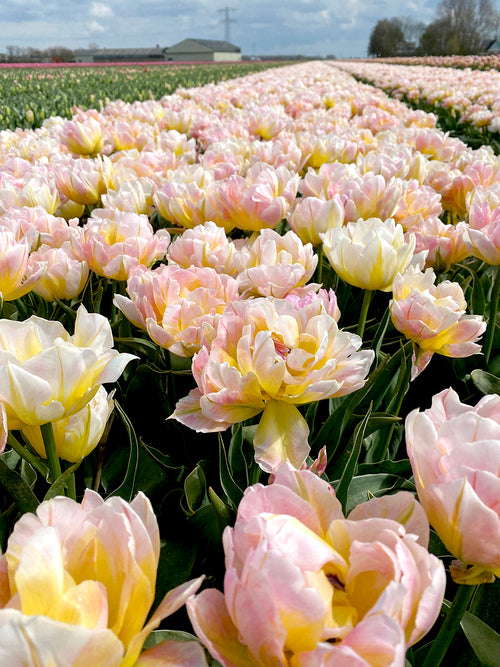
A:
(259, 27)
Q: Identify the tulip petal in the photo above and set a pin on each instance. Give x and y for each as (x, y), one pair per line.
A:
(172, 601)
(38, 640)
(401, 507)
(212, 623)
(282, 435)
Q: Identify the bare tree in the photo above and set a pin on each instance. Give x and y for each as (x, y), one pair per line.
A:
(412, 29)
(471, 23)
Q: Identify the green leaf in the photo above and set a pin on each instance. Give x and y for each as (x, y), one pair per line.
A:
(364, 487)
(221, 508)
(61, 483)
(127, 487)
(485, 382)
(177, 559)
(237, 462)
(484, 640)
(140, 344)
(208, 523)
(158, 636)
(195, 488)
(164, 460)
(15, 485)
(400, 468)
(233, 492)
(373, 391)
(346, 478)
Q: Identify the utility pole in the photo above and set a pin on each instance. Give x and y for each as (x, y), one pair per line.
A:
(227, 22)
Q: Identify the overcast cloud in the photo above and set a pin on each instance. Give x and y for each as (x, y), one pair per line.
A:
(307, 27)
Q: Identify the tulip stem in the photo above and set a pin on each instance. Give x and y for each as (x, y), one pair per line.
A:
(51, 451)
(319, 270)
(450, 625)
(71, 488)
(490, 330)
(367, 297)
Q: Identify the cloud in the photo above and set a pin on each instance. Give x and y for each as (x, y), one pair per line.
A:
(100, 10)
(95, 26)
(308, 27)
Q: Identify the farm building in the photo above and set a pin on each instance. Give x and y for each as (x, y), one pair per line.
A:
(116, 55)
(206, 50)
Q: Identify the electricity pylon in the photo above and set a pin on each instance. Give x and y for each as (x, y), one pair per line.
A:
(227, 22)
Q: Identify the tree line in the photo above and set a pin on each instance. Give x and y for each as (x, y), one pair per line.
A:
(461, 27)
(19, 54)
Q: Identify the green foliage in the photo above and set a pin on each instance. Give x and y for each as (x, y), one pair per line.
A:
(386, 38)
(30, 95)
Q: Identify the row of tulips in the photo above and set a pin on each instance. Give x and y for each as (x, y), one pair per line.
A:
(178, 241)
(483, 61)
(470, 95)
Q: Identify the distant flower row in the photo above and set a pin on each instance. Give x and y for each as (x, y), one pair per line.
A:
(485, 61)
(472, 96)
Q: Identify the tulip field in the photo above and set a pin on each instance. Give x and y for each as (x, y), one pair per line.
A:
(32, 94)
(250, 367)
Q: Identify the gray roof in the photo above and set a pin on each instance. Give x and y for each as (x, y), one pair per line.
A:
(204, 45)
(121, 52)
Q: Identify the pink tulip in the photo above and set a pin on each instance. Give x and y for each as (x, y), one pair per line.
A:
(306, 587)
(273, 265)
(132, 134)
(328, 180)
(134, 196)
(417, 202)
(281, 152)
(433, 317)
(313, 216)
(64, 275)
(179, 308)
(483, 232)
(182, 200)
(454, 451)
(17, 276)
(320, 149)
(445, 244)
(114, 242)
(260, 200)
(81, 180)
(83, 138)
(204, 246)
(38, 191)
(37, 226)
(371, 197)
(77, 583)
(269, 356)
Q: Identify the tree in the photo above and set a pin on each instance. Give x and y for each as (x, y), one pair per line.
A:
(471, 23)
(412, 29)
(386, 38)
(59, 54)
(438, 39)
